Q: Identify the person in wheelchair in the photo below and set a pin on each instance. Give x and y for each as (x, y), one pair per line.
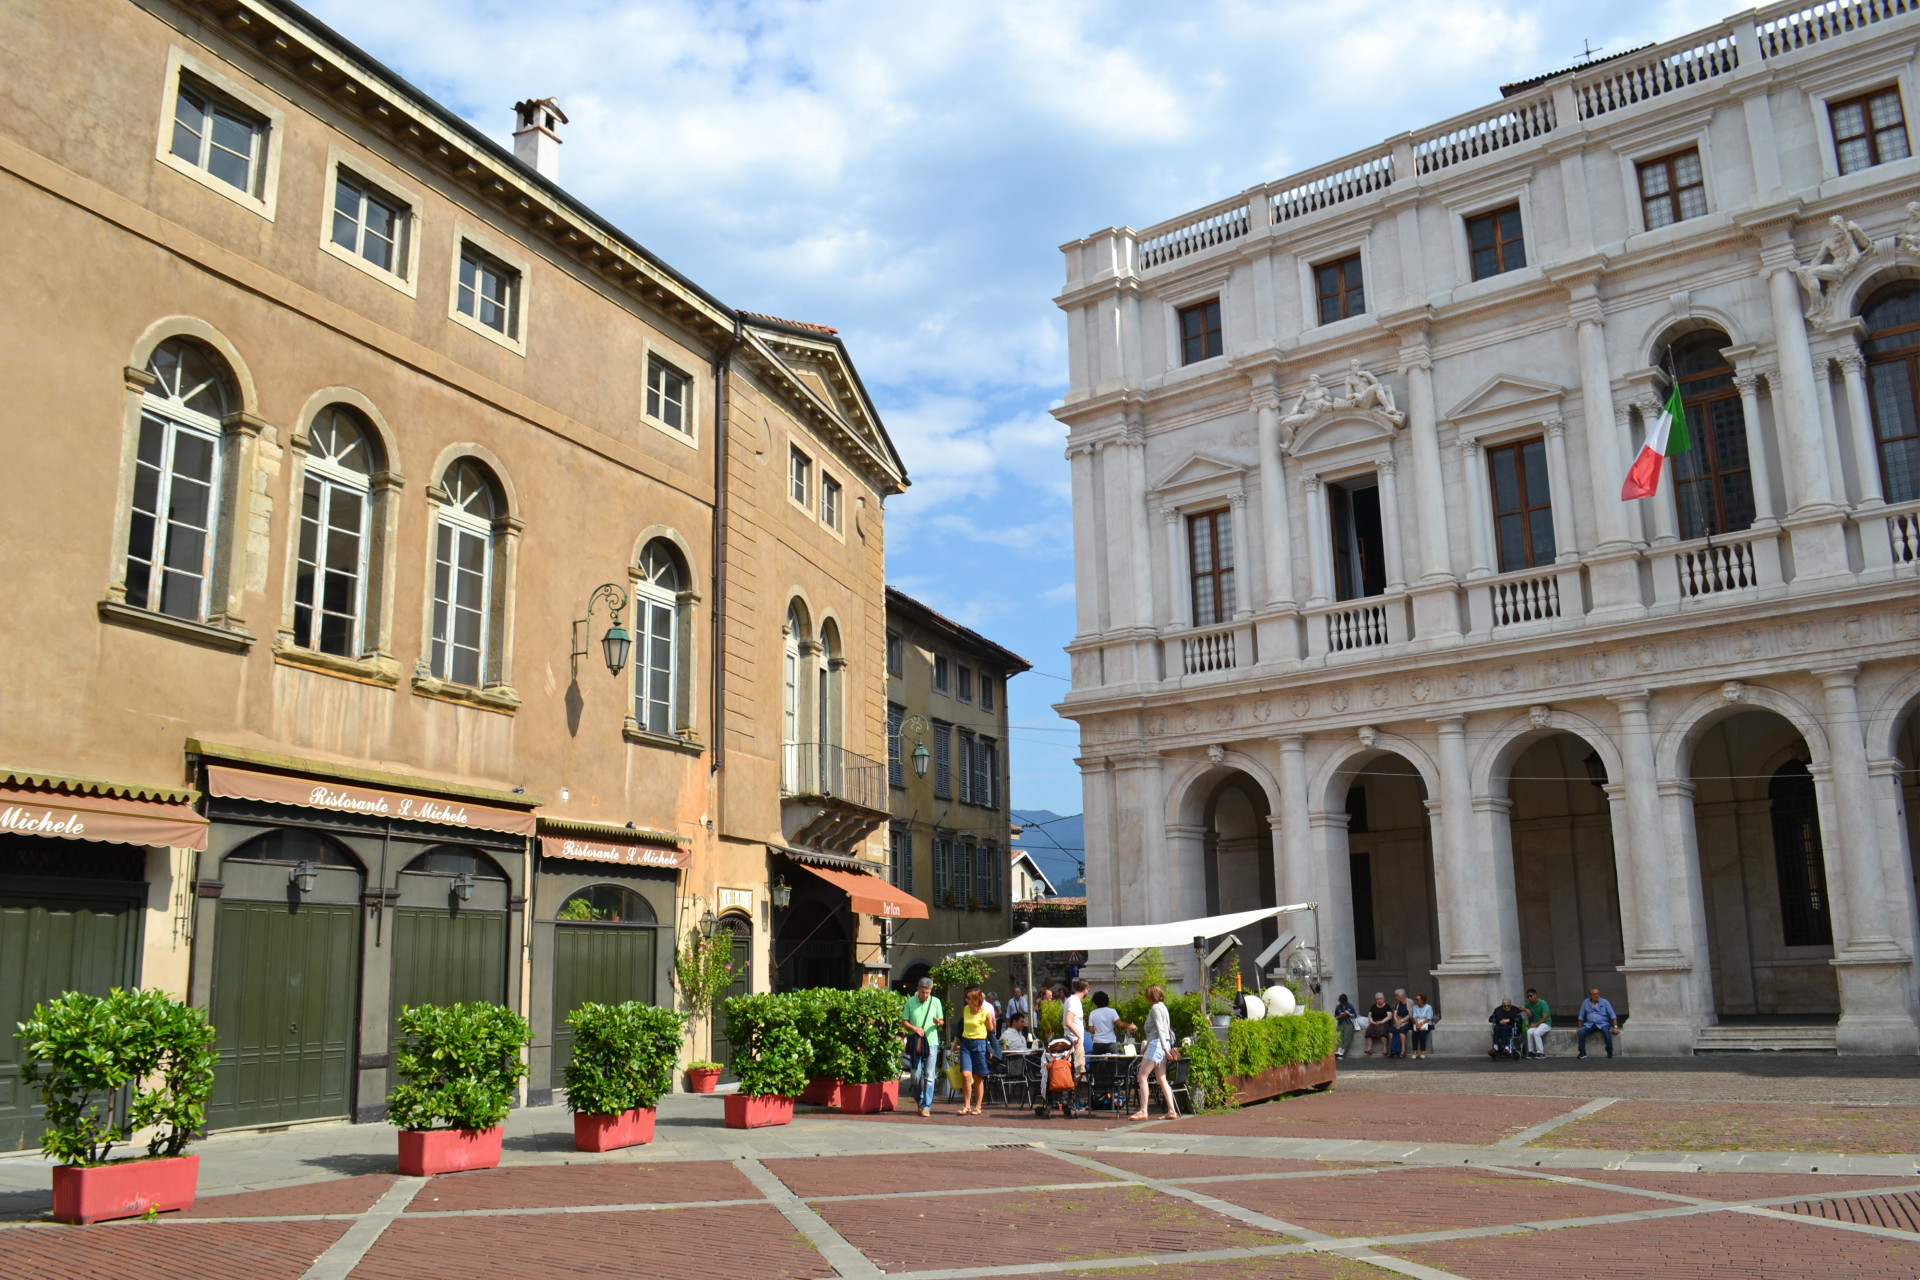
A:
(1508, 1021)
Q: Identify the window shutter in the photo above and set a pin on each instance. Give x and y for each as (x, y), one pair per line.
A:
(942, 761)
(939, 868)
(895, 777)
(966, 767)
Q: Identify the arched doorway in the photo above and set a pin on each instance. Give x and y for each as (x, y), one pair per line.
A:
(450, 930)
(1389, 862)
(605, 939)
(1238, 851)
(1763, 864)
(741, 930)
(1565, 879)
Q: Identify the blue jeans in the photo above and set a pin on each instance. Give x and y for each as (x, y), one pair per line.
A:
(1605, 1034)
(923, 1065)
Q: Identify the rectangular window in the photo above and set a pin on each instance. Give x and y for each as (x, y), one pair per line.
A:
(1495, 242)
(1211, 538)
(900, 858)
(896, 776)
(327, 582)
(830, 502)
(963, 683)
(942, 674)
(1359, 547)
(370, 224)
(1868, 130)
(1360, 874)
(989, 783)
(460, 581)
(942, 761)
(213, 134)
(1522, 505)
(986, 691)
(668, 395)
(966, 767)
(800, 477)
(653, 620)
(896, 654)
(1340, 289)
(1673, 189)
(489, 291)
(1200, 331)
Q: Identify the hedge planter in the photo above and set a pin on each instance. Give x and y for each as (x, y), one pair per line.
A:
(702, 1081)
(758, 1113)
(123, 1189)
(425, 1152)
(822, 1091)
(1294, 1077)
(610, 1133)
(866, 1099)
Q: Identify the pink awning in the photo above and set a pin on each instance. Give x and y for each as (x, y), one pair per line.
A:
(150, 823)
(590, 849)
(338, 797)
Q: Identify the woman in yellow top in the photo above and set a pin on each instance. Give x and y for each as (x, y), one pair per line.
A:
(976, 1035)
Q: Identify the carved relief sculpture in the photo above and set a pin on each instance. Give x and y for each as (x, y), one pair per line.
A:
(1907, 239)
(1358, 389)
(1845, 244)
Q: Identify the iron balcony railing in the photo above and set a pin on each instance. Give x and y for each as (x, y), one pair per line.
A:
(809, 769)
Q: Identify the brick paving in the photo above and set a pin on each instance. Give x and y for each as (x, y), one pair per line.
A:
(337, 1195)
(1742, 1186)
(1898, 1212)
(1003, 1230)
(166, 1250)
(1294, 1266)
(1172, 1167)
(1725, 1077)
(1709, 1244)
(561, 1186)
(995, 1118)
(1377, 1118)
(1402, 1201)
(1757, 1126)
(926, 1171)
(745, 1240)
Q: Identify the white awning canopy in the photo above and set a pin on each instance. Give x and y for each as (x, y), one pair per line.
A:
(1122, 937)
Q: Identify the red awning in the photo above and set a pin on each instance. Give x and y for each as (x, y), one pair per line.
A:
(872, 896)
(150, 823)
(627, 853)
(337, 797)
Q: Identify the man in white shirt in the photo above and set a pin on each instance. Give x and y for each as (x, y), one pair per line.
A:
(1017, 1002)
(1073, 1024)
(1014, 1038)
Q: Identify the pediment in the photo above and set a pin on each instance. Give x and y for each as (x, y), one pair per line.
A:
(816, 365)
(1202, 468)
(1508, 396)
(1341, 429)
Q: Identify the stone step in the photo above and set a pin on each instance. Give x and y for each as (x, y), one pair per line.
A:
(1761, 1039)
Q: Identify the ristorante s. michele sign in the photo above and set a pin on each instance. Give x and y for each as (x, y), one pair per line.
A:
(334, 797)
(632, 855)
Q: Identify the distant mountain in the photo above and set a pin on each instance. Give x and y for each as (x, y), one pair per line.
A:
(1058, 844)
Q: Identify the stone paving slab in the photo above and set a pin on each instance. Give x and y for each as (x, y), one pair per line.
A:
(1710, 1244)
(1019, 1227)
(584, 1184)
(1403, 1201)
(166, 1250)
(926, 1171)
(1813, 1127)
(1372, 1117)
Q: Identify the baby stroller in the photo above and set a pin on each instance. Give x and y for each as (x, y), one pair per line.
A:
(1058, 1088)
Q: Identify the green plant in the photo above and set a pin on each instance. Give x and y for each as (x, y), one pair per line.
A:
(579, 909)
(1259, 1044)
(703, 1064)
(81, 1050)
(623, 1056)
(961, 972)
(1207, 1072)
(1053, 1015)
(873, 1020)
(460, 1063)
(771, 1055)
(704, 968)
(1225, 984)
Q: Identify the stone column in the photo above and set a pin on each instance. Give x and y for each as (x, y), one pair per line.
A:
(1469, 976)
(1390, 524)
(1758, 468)
(1656, 971)
(1866, 450)
(1319, 545)
(1808, 485)
(1829, 428)
(1612, 572)
(1179, 594)
(1429, 485)
(1123, 604)
(1293, 856)
(1088, 589)
(1565, 539)
(1246, 583)
(1876, 1012)
(1275, 524)
(1138, 521)
(1479, 500)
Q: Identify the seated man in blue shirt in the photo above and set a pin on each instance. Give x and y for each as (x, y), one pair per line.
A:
(1596, 1014)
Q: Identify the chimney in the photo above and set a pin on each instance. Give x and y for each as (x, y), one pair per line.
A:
(536, 137)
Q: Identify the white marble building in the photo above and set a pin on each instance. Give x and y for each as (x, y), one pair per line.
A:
(1364, 619)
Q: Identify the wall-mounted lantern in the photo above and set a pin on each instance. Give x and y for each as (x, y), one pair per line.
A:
(780, 892)
(709, 923)
(463, 886)
(303, 877)
(921, 757)
(617, 643)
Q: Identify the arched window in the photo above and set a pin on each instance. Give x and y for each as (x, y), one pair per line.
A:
(176, 486)
(606, 904)
(330, 578)
(1712, 483)
(295, 846)
(659, 590)
(793, 700)
(463, 576)
(1893, 383)
(454, 860)
(1798, 858)
(831, 682)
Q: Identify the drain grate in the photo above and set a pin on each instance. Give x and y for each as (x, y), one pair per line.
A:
(1012, 1146)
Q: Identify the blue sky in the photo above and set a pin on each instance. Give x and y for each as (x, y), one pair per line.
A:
(906, 173)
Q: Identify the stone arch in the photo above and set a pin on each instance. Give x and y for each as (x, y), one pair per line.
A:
(327, 397)
(1673, 753)
(199, 330)
(1221, 844)
(1889, 716)
(1850, 296)
(666, 533)
(1511, 739)
(487, 458)
(1338, 769)
(1670, 328)
(800, 605)
(1189, 790)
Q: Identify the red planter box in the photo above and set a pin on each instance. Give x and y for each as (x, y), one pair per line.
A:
(757, 1113)
(124, 1188)
(425, 1152)
(609, 1133)
(821, 1091)
(702, 1081)
(865, 1099)
(1296, 1077)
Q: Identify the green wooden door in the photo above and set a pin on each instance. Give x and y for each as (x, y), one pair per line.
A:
(56, 936)
(286, 998)
(742, 983)
(444, 956)
(596, 963)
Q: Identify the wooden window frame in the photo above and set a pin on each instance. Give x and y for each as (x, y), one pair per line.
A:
(1528, 510)
(1210, 337)
(1500, 243)
(1673, 197)
(1881, 353)
(1700, 434)
(800, 484)
(1869, 134)
(662, 380)
(1206, 584)
(1349, 296)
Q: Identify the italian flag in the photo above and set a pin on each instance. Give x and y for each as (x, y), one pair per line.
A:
(1668, 437)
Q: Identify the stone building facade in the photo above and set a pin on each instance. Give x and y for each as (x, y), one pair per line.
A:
(342, 439)
(1364, 619)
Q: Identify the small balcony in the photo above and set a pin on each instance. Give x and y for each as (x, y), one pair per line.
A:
(830, 798)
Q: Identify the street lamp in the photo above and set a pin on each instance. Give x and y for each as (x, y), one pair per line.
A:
(617, 642)
(921, 756)
(708, 924)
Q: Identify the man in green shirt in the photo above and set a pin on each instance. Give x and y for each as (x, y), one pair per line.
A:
(922, 1027)
(1539, 1018)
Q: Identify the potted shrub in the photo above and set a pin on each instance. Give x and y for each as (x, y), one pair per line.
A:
(83, 1051)
(872, 1082)
(622, 1064)
(770, 1056)
(822, 1016)
(703, 1075)
(459, 1064)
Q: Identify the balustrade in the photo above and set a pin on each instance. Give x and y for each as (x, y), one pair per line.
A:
(1519, 600)
(1360, 628)
(1660, 71)
(1463, 138)
(1801, 26)
(1333, 184)
(1217, 649)
(1188, 235)
(1716, 568)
